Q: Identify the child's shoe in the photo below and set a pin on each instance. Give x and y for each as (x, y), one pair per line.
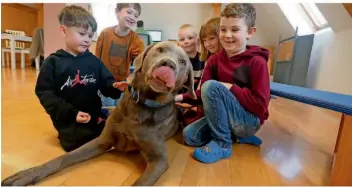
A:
(211, 153)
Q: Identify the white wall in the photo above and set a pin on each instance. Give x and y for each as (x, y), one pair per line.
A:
(52, 36)
(266, 33)
(336, 15)
(270, 23)
(331, 63)
(168, 17)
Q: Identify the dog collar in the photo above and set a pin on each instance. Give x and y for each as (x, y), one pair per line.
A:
(148, 102)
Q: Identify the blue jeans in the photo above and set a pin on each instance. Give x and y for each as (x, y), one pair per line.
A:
(108, 102)
(225, 118)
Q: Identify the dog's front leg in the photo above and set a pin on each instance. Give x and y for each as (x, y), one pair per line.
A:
(155, 156)
(34, 175)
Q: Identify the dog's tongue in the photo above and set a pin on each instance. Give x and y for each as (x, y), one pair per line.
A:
(165, 74)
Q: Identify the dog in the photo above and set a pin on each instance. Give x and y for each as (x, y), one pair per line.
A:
(145, 119)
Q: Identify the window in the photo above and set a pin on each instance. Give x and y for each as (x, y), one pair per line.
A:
(315, 15)
(104, 13)
(305, 16)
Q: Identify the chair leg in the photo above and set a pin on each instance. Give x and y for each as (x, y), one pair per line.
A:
(37, 63)
(342, 164)
(7, 57)
(2, 58)
(13, 54)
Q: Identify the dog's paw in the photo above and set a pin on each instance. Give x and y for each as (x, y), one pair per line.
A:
(27, 177)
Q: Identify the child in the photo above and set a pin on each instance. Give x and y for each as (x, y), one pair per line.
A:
(209, 45)
(117, 46)
(235, 89)
(70, 78)
(209, 39)
(140, 30)
(188, 40)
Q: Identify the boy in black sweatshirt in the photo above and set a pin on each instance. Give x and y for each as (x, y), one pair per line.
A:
(70, 78)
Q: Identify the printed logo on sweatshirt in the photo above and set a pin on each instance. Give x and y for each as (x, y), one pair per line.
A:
(86, 79)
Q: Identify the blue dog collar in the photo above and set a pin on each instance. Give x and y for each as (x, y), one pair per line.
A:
(137, 99)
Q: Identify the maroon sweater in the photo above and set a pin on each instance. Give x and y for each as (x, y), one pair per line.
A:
(248, 72)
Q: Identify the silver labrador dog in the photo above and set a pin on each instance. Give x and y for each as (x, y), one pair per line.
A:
(145, 118)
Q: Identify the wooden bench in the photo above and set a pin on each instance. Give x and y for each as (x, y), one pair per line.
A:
(341, 173)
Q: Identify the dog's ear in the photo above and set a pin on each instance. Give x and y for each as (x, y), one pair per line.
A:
(138, 62)
(190, 83)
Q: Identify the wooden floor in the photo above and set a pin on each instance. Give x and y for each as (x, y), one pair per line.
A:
(298, 142)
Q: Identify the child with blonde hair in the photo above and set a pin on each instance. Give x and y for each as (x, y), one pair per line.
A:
(209, 44)
(209, 39)
(188, 39)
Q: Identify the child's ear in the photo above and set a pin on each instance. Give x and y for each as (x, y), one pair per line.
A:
(251, 31)
(63, 30)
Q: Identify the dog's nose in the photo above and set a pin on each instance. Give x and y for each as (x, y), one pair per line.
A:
(169, 63)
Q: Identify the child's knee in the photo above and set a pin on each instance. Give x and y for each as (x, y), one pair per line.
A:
(208, 88)
(210, 85)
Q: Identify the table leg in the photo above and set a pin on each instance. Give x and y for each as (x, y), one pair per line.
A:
(341, 173)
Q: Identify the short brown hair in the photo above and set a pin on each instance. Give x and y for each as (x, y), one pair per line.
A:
(136, 6)
(241, 10)
(211, 27)
(77, 16)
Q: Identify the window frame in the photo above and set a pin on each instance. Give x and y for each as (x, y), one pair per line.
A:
(308, 16)
(312, 18)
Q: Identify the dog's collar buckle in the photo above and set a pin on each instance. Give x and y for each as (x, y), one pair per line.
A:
(147, 102)
(135, 95)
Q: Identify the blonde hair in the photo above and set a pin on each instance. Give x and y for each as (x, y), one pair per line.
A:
(211, 27)
(189, 26)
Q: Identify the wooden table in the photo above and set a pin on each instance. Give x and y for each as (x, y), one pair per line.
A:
(13, 39)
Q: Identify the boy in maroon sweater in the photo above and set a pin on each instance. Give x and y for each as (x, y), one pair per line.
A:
(235, 89)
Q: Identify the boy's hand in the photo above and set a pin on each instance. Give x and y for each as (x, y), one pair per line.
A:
(121, 85)
(82, 117)
(184, 105)
(227, 85)
(178, 98)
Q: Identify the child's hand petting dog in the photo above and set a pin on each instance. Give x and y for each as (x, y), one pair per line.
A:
(82, 117)
(121, 85)
(184, 105)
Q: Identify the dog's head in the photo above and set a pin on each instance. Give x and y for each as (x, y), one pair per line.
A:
(165, 68)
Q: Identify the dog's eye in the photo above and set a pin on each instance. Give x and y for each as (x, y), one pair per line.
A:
(183, 61)
(160, 49)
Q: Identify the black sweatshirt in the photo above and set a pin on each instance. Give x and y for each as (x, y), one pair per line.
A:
(68, 84)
